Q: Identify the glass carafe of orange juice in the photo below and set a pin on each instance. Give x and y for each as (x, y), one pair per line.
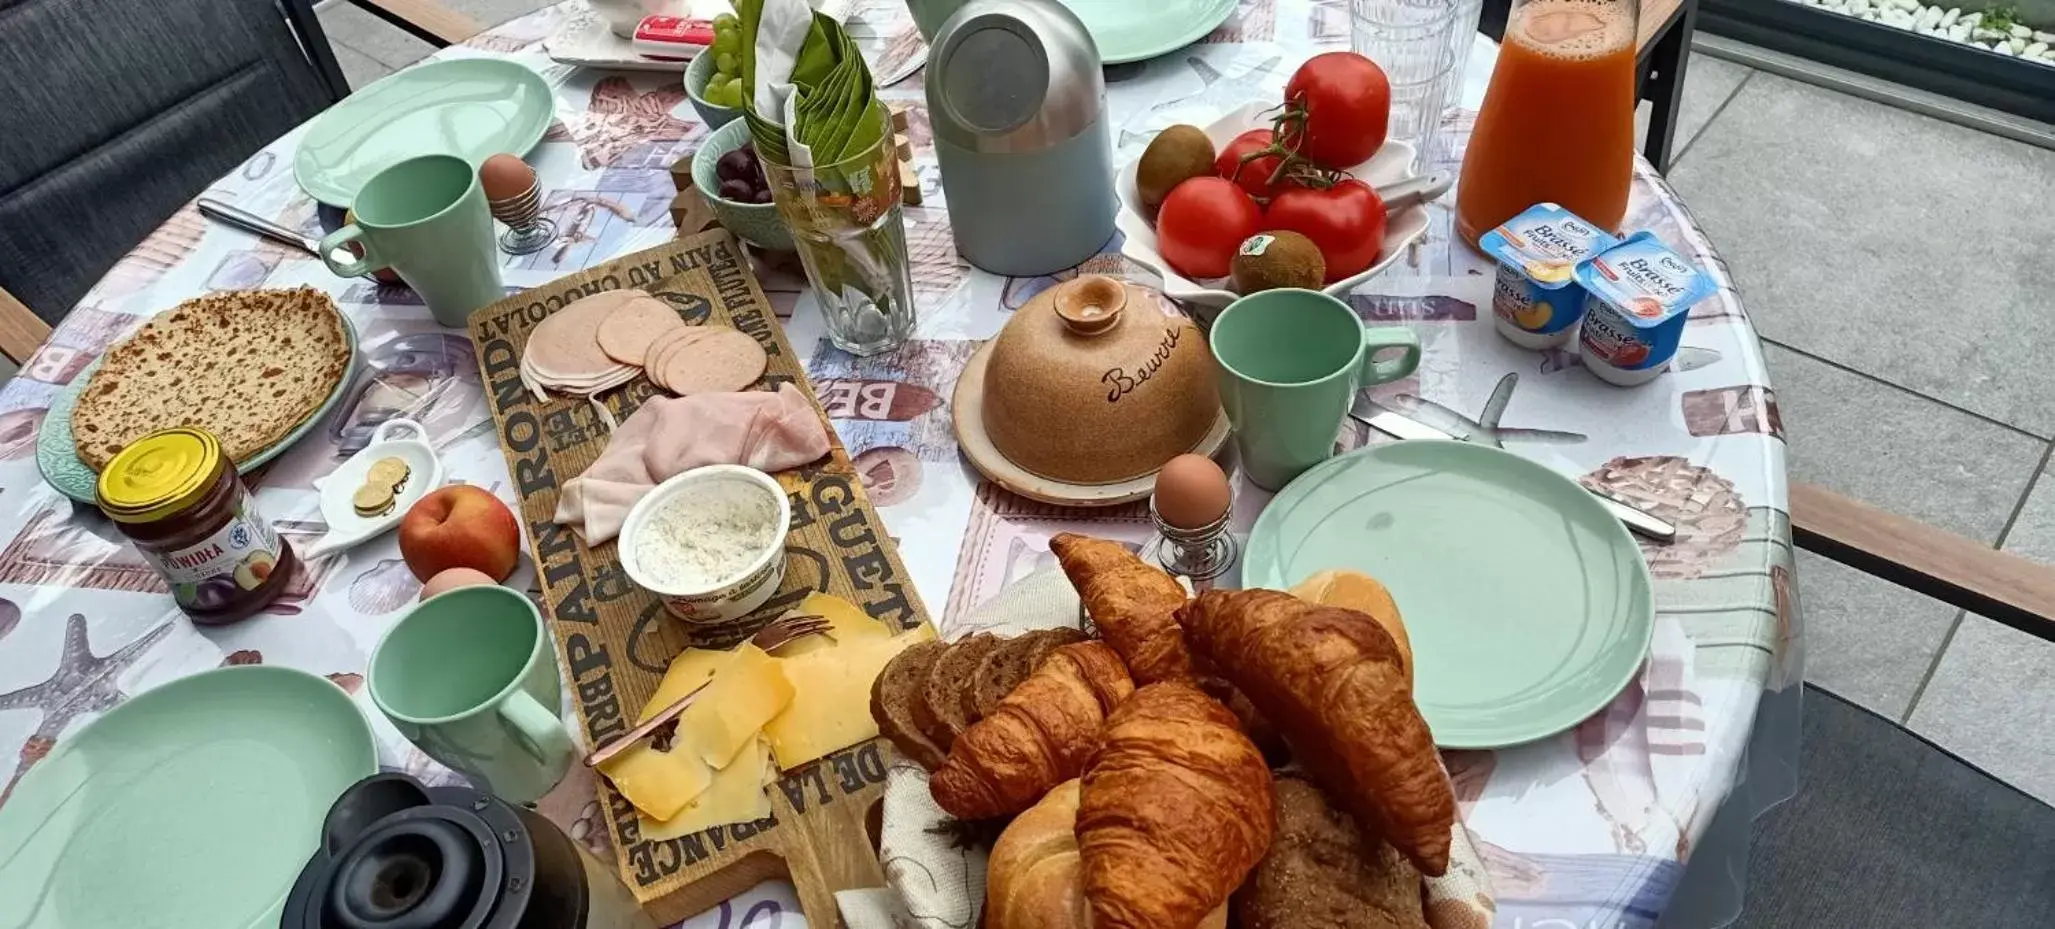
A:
(1558, 119)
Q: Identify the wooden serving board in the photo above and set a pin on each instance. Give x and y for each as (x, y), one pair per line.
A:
(616, 638)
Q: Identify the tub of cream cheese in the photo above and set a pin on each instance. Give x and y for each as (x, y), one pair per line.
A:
(1639, 295)
(710, 543)
(1536, 300)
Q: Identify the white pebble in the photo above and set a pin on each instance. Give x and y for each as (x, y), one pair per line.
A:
(1989, 35)
(2002, 48)
(1928, 17)
(1973, 18)
(1949, 18)
(1959, 32)
(2016, 44)
(1858, 7)
(2048, 37)
(2021, 32)
(2035, 50)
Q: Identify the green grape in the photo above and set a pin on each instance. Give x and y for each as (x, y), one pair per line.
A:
(726, 93)
(726, 21)
(727, 43)
(726, 63)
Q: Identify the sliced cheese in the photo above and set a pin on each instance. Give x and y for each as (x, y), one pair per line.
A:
(749, 690)
(659, 784)
(831, 690)
(847, 623)
(735, 796)
(692, 667)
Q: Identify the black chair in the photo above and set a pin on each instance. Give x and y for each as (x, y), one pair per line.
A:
(113, 120)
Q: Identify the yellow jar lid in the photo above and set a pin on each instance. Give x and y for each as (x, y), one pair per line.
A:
(159, 475)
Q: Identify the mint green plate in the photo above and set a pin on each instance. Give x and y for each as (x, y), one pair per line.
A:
(57, 455)
(472, 108)
(1529, 606)
(1126, 30)
(193, 804)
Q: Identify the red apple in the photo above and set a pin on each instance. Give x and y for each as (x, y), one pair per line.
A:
(460, 526)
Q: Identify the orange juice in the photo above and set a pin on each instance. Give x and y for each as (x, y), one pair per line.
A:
(1558, 119)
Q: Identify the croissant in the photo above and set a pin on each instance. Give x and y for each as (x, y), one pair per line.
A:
(1131, 602)
(1175, 809)
(1331, 681)
(1039, 736)
(1034, 879)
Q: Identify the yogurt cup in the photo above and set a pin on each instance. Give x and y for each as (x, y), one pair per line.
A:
(1639, 293)
(681, 518)
(1536, 301)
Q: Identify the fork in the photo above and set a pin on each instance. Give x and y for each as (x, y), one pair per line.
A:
(781, 632)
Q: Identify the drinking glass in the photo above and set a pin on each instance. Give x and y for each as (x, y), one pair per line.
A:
(1410, 39)
(850, 229)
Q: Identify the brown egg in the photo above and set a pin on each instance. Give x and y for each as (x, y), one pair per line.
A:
(1191, 491)
(453, 578)
(505, 176)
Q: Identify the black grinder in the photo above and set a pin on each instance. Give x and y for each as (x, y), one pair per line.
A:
(398, 855)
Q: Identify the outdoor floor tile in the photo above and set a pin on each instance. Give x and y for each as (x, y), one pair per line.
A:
(2033, 531)
(359, 68)
(1899, 451)
(1913, 250)
(1989, 702)
(1867, 639)
(491, 13)
(1708, 82)
(383, 42)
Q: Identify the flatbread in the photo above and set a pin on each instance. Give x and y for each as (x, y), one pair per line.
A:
(629, 333)
(724, 360)
(248, 366)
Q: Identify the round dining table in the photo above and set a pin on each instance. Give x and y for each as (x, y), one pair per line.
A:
(1589, 828)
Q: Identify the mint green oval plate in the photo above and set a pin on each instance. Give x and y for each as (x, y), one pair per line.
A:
(1127, 31)
(193, 804)
(1529, 607)
(472, 108)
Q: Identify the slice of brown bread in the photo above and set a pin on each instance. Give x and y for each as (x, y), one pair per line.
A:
(940, 712)
(896, 693)
(1006, 666)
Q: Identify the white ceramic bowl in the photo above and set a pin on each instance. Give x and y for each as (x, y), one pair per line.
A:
(732, 597)
(1389, 166)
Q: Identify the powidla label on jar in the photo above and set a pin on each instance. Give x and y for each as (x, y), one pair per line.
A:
(205, 575)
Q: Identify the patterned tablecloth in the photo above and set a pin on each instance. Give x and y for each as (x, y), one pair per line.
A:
(1586, 829)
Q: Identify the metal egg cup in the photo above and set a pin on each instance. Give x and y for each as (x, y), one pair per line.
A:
(1200, 554)
(527, 229)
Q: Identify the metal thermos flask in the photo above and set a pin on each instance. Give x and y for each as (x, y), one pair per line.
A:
(1018, 107)
(397, 855)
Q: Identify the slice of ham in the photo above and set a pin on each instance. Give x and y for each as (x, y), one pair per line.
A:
(724, 360)
(766, 430)
(631, 330)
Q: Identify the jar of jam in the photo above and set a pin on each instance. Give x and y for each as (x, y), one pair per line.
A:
(177, 497)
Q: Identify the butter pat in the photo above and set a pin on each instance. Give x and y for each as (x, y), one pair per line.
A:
(1536, 300)
(1639, 299)
(735, 795)
(749, 690)
(830, 707)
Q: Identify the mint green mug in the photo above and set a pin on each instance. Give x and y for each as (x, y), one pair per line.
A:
(470, 676)
(425, 218)
(1291, 362)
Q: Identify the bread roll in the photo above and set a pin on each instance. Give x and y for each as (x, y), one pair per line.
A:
(1354, 590)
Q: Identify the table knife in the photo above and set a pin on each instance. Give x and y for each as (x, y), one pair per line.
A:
(258, 225)
(1637, 520)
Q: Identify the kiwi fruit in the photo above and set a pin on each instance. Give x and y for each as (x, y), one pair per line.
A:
(1175, 155)
(1279, 258)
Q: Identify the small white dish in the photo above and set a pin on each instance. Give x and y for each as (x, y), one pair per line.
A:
(745, 589)
(346, 529)
(585, 39)
(1405, 223)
